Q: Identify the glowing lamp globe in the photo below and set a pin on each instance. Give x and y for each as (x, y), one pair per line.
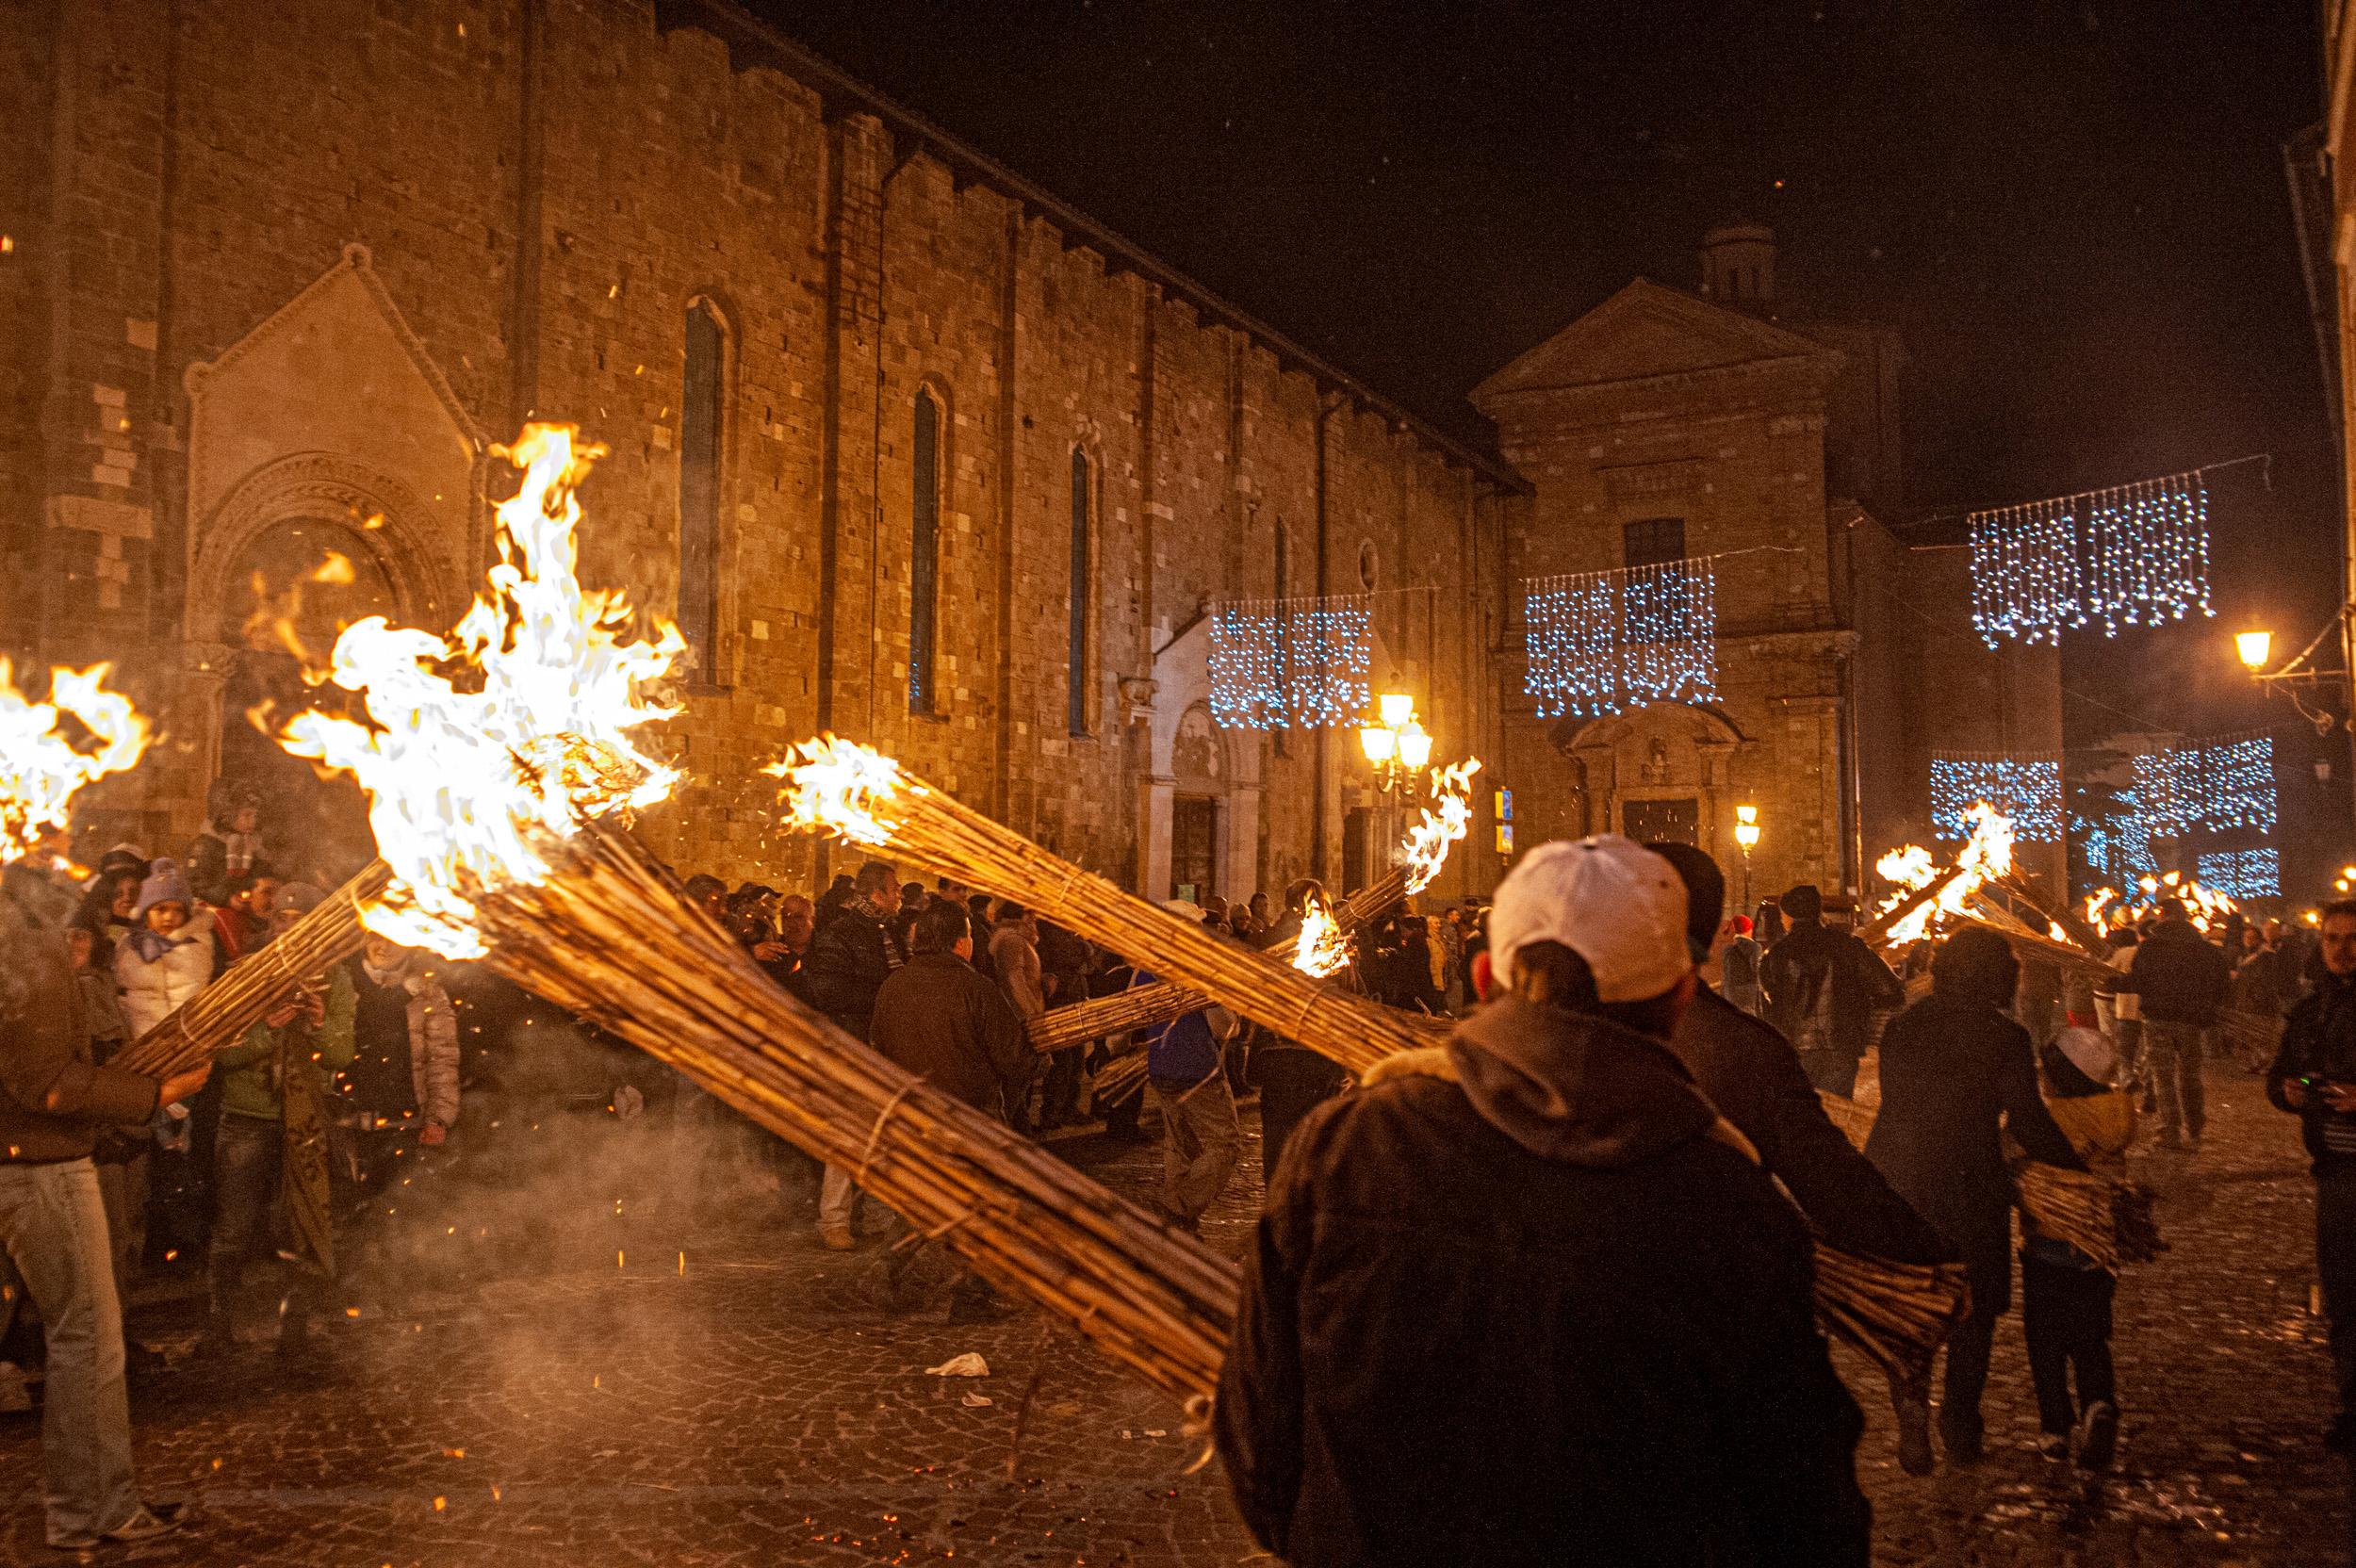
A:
(1414, 746)
(1398, 709)
(1378, 744)
(2253, 646)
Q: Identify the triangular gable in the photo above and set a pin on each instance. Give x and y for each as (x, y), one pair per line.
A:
(1646, 329)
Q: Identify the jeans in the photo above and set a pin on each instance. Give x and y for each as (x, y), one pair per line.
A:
(2336, 1269)
(837, 1199)
(2065, 1318)
(2132, 1065)
(1969, 1346)
(1831, 1071)
(2176, 1075)
(247, 1158)
(123, 1187)
(1200, 1143)
(53, 1225)
(1060, 1098)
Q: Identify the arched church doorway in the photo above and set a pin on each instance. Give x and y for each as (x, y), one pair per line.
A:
(298, 582)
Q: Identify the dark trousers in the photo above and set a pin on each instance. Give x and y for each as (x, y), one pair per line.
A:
(2066, 1317)
(246, 1206)
(2335, 1268)
(1969, 1346)
(1060, 1097)
(1831, 1071)
(1293, 1082)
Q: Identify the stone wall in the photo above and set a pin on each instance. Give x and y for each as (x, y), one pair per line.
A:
(438, 220)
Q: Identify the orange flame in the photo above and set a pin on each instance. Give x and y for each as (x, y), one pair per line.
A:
(1426, 849)
(474, 785)
(833, 786)
(39, 769)
(2205, 905)
(1322, 950)
(1985, 857)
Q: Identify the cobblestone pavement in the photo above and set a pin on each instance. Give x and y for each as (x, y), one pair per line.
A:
(729, 1396)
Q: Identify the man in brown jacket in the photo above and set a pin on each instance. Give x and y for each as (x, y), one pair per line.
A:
(54, 1099)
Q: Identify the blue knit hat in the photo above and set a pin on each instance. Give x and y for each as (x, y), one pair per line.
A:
(165, 884)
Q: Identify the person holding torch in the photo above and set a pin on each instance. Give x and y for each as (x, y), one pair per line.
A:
(54, 1100)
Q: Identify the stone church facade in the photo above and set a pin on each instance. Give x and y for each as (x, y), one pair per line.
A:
(912, 450)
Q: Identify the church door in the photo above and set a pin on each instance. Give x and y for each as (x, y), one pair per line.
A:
(1673, 821)
(1193, 847)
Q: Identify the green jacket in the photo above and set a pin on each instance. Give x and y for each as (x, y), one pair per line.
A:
(248, 1070)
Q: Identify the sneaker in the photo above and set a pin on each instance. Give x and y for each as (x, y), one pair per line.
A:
(2098, 1436)
(1914, 1435)
(2053, 1446)
(147, 1522)
(838, 1237)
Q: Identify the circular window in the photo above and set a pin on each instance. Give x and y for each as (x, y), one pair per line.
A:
(1366, 565)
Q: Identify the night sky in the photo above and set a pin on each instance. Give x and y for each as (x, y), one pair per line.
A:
(2075, 215)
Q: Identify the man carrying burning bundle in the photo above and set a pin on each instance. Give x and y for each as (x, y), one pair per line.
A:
(1527, 1297)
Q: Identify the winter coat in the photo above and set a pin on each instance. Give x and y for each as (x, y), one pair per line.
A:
(1185, 1050)
(2180, 976)
(849, 961)
(1016, 963)
(251, 1072)
(1518, 1302)
(939, 1020)
(153, 991)
(1956, 1074)
(2319, 1043)
(1740, 968)
(1754, 1077)
(1822, 987)
(424, 1036)
(54, 1096)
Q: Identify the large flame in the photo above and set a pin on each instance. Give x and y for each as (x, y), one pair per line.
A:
(832, 786)
(1322, 948)
(1985, 857)
(472, 783)
(1426, 849)
(40, 769)
(2106, 908)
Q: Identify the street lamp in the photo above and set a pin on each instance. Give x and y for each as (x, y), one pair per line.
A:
(1396, 745)
(2254, 647)
(1747, 836)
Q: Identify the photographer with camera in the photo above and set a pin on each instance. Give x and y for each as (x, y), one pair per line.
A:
(2314, 1077)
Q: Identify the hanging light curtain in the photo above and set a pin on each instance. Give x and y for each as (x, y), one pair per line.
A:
(1602, 642)
(1296, 662)
(2131, 555)
(2026, 788)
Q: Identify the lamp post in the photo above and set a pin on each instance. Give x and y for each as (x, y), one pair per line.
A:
(1746, 838)
(1397, 745)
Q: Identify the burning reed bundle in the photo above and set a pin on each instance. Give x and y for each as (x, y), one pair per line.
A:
(844, 789)
(215, 1019)
(1896, 1313)
(609, 937)
(2108, 1220)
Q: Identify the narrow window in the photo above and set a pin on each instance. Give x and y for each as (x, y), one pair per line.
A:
(1284, 654)
(1079, 645)
(1653, 541)
(923, 553)
(699, 492)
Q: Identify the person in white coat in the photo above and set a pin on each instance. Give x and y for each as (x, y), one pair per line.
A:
(169, 956)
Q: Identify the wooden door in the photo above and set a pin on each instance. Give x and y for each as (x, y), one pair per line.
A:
(1193, 847)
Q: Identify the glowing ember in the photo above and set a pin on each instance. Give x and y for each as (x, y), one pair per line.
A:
(472, 783)
(1426, 849)
(1322, 950)
(1985, 857)
(40, 769)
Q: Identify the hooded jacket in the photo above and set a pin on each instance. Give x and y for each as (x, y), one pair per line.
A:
(1526, 1299)
(53, 1096)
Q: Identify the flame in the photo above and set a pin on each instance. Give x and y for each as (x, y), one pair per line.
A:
(474, 784)
(39, 769)
(336, 569)
(1322, 950)
(833, 784)
(2205, 905)
(1425, 848)
(1985, 857)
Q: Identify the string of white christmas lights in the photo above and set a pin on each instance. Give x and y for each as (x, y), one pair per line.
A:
(1297, 663)
(2208, 786)
(2129, 555)
(2243, 873)
(1602, 642)
(2027, 789)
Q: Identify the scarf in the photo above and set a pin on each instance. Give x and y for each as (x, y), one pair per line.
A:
(152, 945)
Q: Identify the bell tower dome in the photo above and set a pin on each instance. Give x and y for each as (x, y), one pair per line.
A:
(1739, 266)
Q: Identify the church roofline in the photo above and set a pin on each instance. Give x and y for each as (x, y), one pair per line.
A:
(753, 42)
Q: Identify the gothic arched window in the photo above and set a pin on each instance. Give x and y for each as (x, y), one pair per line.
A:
(924, 552)
(1078, 650)
(699, 490)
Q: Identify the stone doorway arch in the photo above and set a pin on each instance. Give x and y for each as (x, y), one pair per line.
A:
(1662, 768)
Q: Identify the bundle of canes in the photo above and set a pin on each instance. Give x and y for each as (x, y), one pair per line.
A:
(1896, 1313)
(218, 1017)
(2108, 1220)
(609, 937)
(845, 788)
(1143, 1007)
(1855, 1121)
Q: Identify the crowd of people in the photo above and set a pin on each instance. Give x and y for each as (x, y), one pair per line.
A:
(1522, 1290)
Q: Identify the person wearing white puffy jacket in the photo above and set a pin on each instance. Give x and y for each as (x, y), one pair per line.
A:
(170, 955)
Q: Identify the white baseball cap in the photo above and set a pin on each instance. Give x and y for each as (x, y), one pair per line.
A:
(2089, 1050)
(1608, 899)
